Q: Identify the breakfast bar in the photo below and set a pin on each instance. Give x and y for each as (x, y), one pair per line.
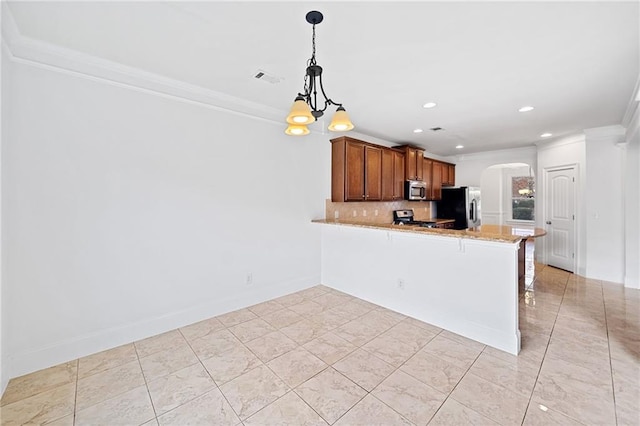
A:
(526, 253)
(464, 281)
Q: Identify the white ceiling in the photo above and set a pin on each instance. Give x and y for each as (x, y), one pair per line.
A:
(575, 62)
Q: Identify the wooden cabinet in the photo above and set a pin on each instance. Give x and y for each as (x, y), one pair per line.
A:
(413, 169)
(362, 171)
(445, 175)
(436, 182)
(398, 175)
(356, 170)
(448, 174)
(392, 175)
(433, 178)
(427, 168)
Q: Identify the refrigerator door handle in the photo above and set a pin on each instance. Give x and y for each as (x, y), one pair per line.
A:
(473, 210)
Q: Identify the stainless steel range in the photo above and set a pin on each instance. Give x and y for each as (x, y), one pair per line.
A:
(405, 217)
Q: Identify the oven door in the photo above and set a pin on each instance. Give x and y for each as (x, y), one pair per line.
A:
(415, 190)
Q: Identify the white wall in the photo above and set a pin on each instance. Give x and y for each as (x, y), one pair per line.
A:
(632, 204)
(605, 256)
(469, 167)
(4, 112)
(128, 213)
(564, 152)
(491, 196)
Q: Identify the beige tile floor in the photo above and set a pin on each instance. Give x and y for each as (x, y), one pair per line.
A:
(321, 357)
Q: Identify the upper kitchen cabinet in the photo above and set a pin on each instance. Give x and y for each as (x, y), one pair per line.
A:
(433, 178)
(448, 174)
(412, 162)
(427, 168)
(356, 170)
(392, 175)
(436, 182)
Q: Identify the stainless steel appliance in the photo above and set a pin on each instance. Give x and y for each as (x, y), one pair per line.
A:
(405, 217)
(461, 204)
(415, 190)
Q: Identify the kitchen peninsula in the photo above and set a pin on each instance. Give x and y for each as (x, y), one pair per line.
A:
(465, 281)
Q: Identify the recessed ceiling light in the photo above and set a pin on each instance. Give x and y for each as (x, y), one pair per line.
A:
(417, 130)
(459, 146)
(526, 109)
(429, 105)
(546, 135)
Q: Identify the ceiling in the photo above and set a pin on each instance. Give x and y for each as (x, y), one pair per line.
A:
(577, 63)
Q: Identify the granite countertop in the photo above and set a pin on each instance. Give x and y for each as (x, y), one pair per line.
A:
(485, 232)
(525, 232)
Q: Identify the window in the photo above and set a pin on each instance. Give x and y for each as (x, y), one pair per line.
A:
(523, 198)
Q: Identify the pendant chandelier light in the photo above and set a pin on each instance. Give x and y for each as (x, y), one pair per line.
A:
(307, 108)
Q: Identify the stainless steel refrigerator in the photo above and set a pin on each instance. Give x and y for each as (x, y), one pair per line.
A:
(461, 204)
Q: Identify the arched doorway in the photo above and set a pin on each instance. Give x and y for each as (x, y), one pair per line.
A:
(508, 194)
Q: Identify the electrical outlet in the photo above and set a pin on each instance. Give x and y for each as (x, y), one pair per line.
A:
(364, 213)
(375, 212)
(336, 214)
(400, 284)
(355, 213)
(249, 278)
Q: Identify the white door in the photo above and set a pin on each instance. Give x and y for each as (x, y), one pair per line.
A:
(560, 218)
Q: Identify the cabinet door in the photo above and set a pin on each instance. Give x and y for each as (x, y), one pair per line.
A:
(427, 168)
(373, 173)
(388, 176)
(437, 180)
(354, 175)
(398, 175)
(419, 161)
(452, 174)
(445, 174)
(410, 164)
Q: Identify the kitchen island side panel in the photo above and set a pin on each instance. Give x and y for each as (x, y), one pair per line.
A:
(466, 286)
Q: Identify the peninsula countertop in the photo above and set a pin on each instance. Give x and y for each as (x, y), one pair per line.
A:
(507, 234)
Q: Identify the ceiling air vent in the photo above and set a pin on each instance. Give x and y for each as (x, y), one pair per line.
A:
(435, 129)
(265, 76)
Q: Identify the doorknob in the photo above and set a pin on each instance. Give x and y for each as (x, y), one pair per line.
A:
(548, 222)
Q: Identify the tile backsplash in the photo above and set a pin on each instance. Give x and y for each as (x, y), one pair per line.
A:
(376, 211)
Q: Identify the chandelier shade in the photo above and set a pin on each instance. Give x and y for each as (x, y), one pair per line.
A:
(308, 106)
(340, 121)
(300, 112)
(297, 130)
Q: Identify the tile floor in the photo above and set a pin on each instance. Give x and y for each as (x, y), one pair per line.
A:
(321, 357)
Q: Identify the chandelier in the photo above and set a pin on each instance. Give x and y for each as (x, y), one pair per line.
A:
(307, 108)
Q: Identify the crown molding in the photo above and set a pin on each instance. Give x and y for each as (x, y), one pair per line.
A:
(568, 140)
(613, 134)
(497, 154)
(35, 52)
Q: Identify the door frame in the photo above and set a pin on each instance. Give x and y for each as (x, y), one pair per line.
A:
(545, 203)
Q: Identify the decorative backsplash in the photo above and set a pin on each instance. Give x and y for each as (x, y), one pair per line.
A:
(376, 211)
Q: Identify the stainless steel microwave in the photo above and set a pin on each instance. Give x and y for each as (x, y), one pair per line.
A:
(415, 190)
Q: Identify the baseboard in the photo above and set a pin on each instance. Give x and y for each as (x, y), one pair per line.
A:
(68, 350)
